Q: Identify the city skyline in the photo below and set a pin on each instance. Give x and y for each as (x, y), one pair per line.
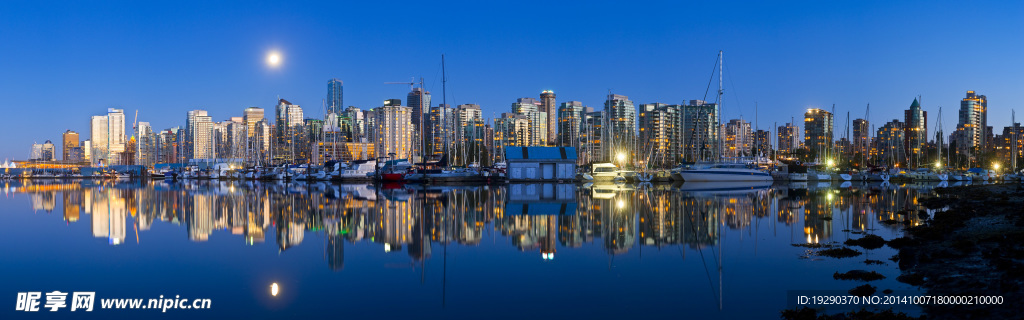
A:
(849, 55)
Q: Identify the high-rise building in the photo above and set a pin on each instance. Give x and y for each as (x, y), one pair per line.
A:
(98, 134)
(70, 141)
(167, 146)
(818, 134)
(789, 139)
(511, 130)
(762, 143)
(700, 131)
(971, 130)
(595, 136)
(469, 134)
(418, 99)
(440, 130)
(621, 125)
(570, 119)
(145, 145)
(48, 150)
(118, 141)
(251, 116)
(660, 133)
(531, 109)
(889, 142)
(394, 131)
(335, 96)
(289, 132)
(915, 135)
(738, 140)
(547, 105)
(199, 130)
(861, 137)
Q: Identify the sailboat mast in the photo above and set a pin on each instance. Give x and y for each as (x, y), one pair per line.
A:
(718, 126)
(444, 106)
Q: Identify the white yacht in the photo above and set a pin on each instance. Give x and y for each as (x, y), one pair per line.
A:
(724, 172)
(603, 172)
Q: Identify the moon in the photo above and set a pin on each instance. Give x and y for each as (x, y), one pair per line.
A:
(273, 59)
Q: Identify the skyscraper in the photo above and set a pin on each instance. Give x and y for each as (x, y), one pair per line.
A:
(660, 132)
(762, 143)
(915, 134)
(98, 134)
(289, 132)
(818, 134)
(700, 131)
(970, 130)
(440, 133)
(70, 141)
(547, 105)
(738, 138)
(335, 96)
(145, 146)
(469, 133)
(395, 131)
(511, 130)
(889, 142)
(595, 136)
(570, 119)
(621, 125)
(199, 133)
(789, 138)
(118, 141)
(531, 109)
(419, 100)
(251, 116)
(861, 137)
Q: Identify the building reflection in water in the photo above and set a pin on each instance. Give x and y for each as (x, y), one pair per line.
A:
(540, 218)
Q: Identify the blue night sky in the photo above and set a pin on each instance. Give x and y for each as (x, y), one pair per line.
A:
(63, 62)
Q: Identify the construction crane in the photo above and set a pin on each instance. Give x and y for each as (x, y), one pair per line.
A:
(411, 83)
(135, 123)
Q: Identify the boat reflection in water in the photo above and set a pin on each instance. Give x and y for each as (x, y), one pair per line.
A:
(735, 228)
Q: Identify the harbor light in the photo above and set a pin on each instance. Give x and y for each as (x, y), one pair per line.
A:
(831, 163)
(996, 165)
(938, 164)
(621, 157)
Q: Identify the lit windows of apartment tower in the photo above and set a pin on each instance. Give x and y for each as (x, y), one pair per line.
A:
(594, 136)
(511, 130)
(440, 124)
(289, 132)
(335, 96)
(700, 131)
(547, 105)
(861, 137)
(469, 133)
(70, 140)
(531, 109)
(621, 125)
(818, 134)
(145, 145)
(660, 133)
(738, 139)
(117, 142)
(200, 135)
(418, 99)
(762, 143)
(394, 131)
(915, 135)
(98, 134)
(570, 119)
(889, 141)
(251, 116)
(971, 129)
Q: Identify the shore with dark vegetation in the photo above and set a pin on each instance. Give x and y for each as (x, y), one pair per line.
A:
(972, 246)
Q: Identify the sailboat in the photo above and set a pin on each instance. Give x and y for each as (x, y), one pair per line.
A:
(722, 171)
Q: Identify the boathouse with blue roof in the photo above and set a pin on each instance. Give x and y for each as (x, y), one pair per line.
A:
(541, 163)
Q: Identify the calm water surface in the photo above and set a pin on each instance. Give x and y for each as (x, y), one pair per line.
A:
(440, 252)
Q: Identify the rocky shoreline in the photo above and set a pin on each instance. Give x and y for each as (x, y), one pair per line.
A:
(972, 246)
